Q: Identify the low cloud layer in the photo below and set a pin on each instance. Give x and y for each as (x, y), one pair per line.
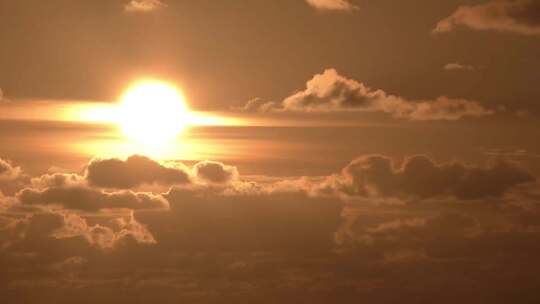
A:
(332, 5)
(331, 92)
(315, 234)
(512, 16)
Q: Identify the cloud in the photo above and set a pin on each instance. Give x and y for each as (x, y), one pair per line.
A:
(512, 16)
(8, 172)
(133, 172)
(429, 237)
(12, 178)
(230, 236)
(57, 180)
(331, 92)
(421, 177)
(144, 5)
(240, 221)
(258, 105)
(215, 172)
(102, 236)
(3, 98)
(458, 67)
(44, 227)
(90, 199)
(333, 5)
(138, 171)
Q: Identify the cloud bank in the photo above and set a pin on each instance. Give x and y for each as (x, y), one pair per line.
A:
(223, 234)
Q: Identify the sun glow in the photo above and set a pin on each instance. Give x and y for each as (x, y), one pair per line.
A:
(151, 118)
(152, 113)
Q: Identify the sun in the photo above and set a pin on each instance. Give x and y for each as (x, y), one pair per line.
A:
(152, 113)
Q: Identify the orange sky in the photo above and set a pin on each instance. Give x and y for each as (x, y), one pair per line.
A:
(285, 151)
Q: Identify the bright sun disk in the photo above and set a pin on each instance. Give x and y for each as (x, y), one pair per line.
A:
(152, 113)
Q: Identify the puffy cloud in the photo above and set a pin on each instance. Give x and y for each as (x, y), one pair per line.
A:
(144, 5)
(513, 16)
(8, 171)
(331, 92)
(457, 67)
(12, 178)
(419, 176)
(333, 5)
(133, 172)
(103, 236)
(57, 180)
(36, 228)
(214, 172)
(91, 199)
(138, 171)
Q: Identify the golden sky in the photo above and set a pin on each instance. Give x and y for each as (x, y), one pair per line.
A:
(284, 151)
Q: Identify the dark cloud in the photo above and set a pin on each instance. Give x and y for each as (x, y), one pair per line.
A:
(132, 173)
(215, 172)
(419, 176)
(90, 199)
(332, 5)
(331, 92)
(513, 16)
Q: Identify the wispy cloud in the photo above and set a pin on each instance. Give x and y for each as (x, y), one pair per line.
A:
(332, 5)
(144, 5)
(458, 66)
(518, 16)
